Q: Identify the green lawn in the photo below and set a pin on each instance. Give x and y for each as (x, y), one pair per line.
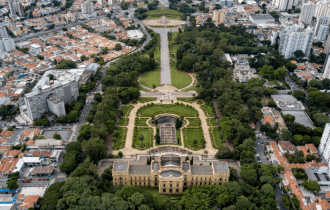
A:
(145, 90)
(147, 141)
(212, 121)
(151, 77)
(148, 111)
(158, 13)
(120, 140)
(274, 82)
(208, 109)
(123, 121)
(126, 109)
(179, 79)
(194, 122)
(192, 88)
(155, 192)
(192, 134)
(218, 137)
(141, 121)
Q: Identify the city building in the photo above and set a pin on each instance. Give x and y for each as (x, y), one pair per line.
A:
(7, 45)
(322, 9)
(170, 174)
(322, 28)
(12, 7)
(283, 5)
(36, 103)
(69, 17)
(307, 12)
(111, 2)
(87, 7)
(19, 8)
(261, 18)
(324, 147)
(100, 2)
(226, 3)
(294, 38)
(3, 32)
(56, 105)
(35, 49)
(327, 45)
(218, 16)
(326, 69)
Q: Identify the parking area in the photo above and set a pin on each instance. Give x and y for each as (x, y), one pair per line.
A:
(65, 134)
(6, 197)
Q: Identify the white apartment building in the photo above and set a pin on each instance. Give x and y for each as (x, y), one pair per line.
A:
(35, 49)
(307, 12)
(3, 32)
(100, 2)
(111, 2)
(322, 9)
(261, 19)
(326, 68)
(327, 45)
(36, 101)
(56, 105)
(12, 7)
(87, 7)
(7, 45)
(322, 28)
(283, 5)
(294, 38)
(324, 147)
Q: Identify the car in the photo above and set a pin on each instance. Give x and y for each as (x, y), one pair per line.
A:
(259, 161)
(258, 158)
(257, 155)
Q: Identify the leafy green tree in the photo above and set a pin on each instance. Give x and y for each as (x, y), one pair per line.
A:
(267, 71)
(299, 54)
(223, 152)
(286, 202)
(117, 47)
(312, 186)
(57, 136)
(281, 72)
(299, 95)
(320, 119)
(95, 149)
(12, 184)
(315, 83)
(250, 176)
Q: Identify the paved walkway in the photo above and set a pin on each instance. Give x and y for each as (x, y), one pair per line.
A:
(165, 70)
(129, 150)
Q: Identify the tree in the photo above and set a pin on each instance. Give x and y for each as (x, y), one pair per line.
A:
(12, 184)
(320, 119)
(107, 174)
(250, 176)
(98, 97)
(267, 71)
(223, 153)
(286, 135)
(141, 138)
(312, 186)
(299, 54)
(299, 95)
(326, 83)
(286, 202)
(281, 72)
(315, 83)
(120, 154)
(117, 47)
(95, 149)
(70, 162)
(57, 136)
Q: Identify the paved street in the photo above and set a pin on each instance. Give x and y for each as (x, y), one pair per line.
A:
(165, 71)
(291, 83)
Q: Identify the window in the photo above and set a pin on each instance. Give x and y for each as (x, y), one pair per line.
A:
(163, 185)
(164, 190)
(170, 190)
(177, 190)
(177, 185)
(170, 185)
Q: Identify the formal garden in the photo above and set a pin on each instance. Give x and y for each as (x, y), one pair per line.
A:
(142, 138)
(151, 110)
(118, 138)
(194, 138)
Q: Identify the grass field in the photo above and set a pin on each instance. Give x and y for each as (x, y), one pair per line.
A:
(208, 109)
(192, 88)
(158, 13)
(194, 122)
(192, 134)
(212, 121)
(123, 121)
(141, 121)
(184, 110)
(126, 109)
(147, 141)
(120, 140)
(151, 77)
(218, 137)
(179, 79)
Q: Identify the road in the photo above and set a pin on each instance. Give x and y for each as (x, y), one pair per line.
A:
(165, 71)
(291, 83)
(260, 150)
(56, 29)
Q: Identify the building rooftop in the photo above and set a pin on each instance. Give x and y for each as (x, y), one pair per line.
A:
(42, 170)
(120, 166)
(220, 167)
(139, 169)
(262, 17)
(201, 170)
(170, 173)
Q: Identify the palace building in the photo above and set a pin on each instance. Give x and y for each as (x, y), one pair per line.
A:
(170, 173)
